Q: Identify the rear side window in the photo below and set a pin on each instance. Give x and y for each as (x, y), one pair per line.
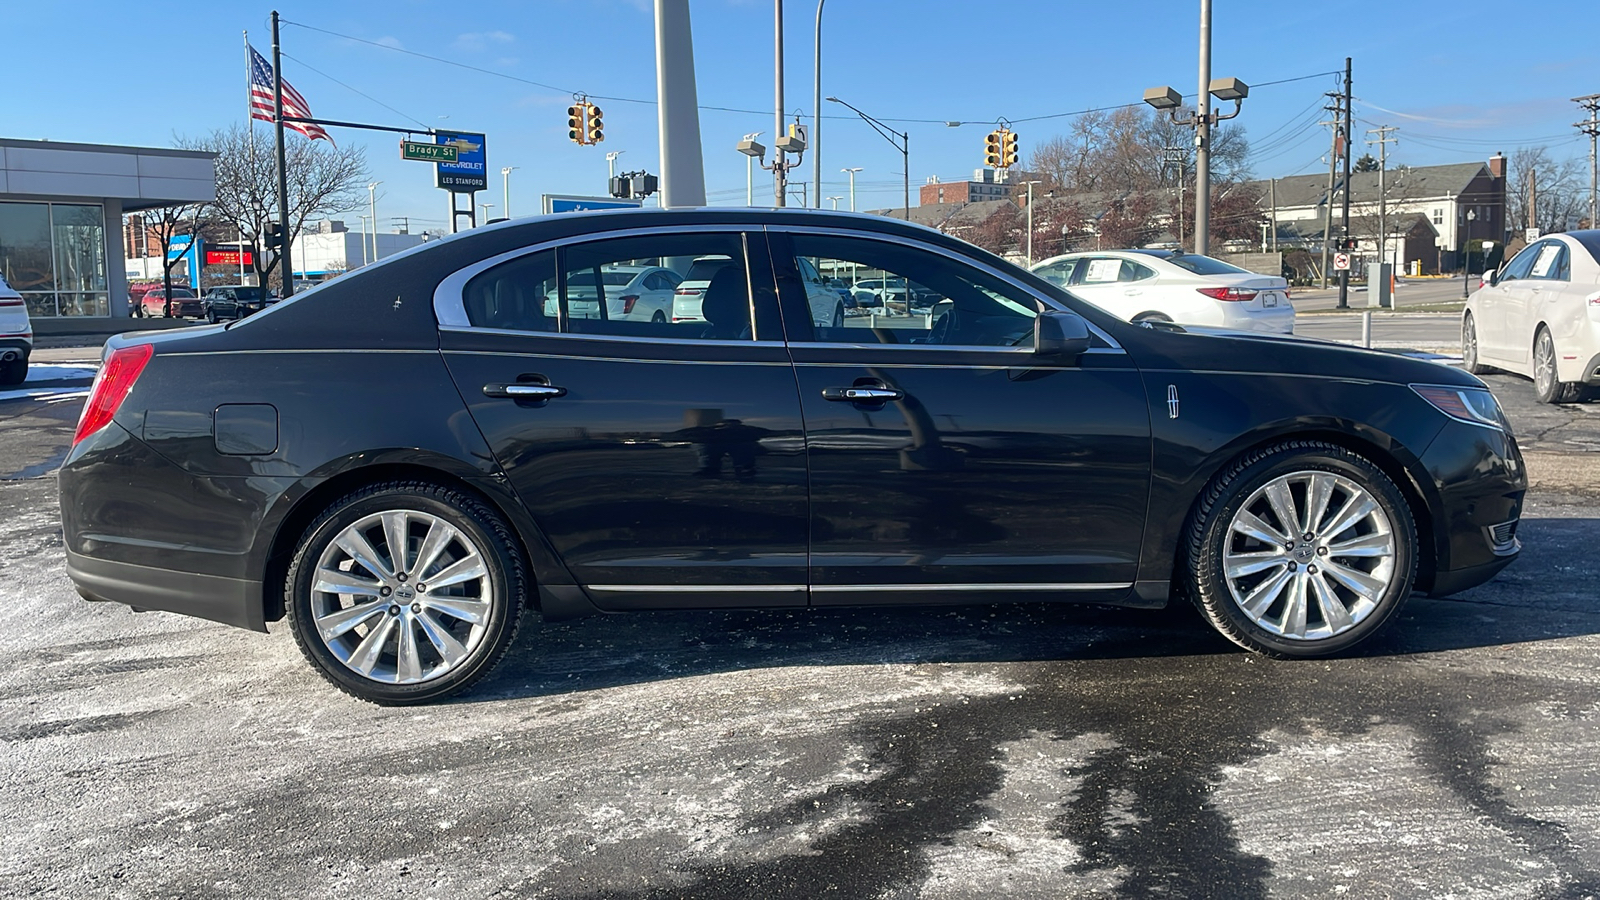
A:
(519, 295)
(713, 304)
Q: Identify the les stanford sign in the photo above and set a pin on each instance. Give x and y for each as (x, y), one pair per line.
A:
(469, 172)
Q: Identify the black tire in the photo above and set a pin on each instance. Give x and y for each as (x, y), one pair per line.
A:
(1151, 316)
(498, 600)
(14, 372)
(1469, 347)
(211, 316)
(1212, 534)
(1546, 387)
(660, 318)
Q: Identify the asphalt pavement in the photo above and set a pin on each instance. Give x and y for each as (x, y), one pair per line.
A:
(1018, 751)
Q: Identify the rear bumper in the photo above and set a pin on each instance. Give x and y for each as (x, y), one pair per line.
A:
(231, 601)
(19, 345)
(1276, 320)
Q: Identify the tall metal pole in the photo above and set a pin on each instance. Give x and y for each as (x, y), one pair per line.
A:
(683, 177)
(1333, 168)
(287, 271)
(816, 116)
(1344, 217)
(852, 186)
(1591, 102)
(905, 152)
(1202, 139)
(780, 186)
(505, 174)
(372, 200)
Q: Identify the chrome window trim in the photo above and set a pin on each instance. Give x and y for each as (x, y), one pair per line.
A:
(530, 354)
(1113, 347)
(620, 338)
(449, 301)
(697, 588)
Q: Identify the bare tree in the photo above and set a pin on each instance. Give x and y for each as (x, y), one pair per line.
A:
(1562, 189)
(323, 181)
(168, 222)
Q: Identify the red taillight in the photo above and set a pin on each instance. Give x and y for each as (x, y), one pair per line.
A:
(17, 302)
(628, 300)
(1230, 294)
(111, 386)
(689, 292)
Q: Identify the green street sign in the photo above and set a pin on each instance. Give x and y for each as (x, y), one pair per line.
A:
(434, 153)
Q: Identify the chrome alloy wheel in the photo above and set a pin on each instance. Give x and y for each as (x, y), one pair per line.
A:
(1544, 364)
(401, 597)
(1309, 555)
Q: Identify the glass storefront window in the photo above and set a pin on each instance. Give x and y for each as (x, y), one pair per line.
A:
(54, 255)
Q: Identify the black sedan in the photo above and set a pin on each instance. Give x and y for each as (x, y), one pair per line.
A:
(235, 302)
(402, 461)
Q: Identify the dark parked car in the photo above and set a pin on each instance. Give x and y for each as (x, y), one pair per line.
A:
(405, 460)
(235, 302)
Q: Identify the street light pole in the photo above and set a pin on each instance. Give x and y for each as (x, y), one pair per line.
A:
(1466, 253)
(816, 114)
(835, 201)
(372, 203)
(901, 140)
(486, 207)
(505, 173)
(1202, 139)
(852, 186)
(780, 172)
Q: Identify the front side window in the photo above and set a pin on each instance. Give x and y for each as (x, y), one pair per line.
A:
(1520, 264)
(910, 296)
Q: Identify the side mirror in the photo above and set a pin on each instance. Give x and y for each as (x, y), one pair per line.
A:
(1060, 335)
(1491, 277)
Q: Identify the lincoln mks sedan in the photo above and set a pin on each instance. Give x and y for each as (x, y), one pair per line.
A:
(406, 463)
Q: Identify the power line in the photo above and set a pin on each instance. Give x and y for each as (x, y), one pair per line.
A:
(354, 90)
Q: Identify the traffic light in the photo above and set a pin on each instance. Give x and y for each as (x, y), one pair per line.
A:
(991, 150)
(596, 132)
(576, 126)
(274, 234)
(1008, 149)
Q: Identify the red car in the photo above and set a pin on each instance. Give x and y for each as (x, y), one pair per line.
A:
(151, 301)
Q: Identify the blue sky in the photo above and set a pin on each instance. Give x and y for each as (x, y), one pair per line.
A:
(1461, 79)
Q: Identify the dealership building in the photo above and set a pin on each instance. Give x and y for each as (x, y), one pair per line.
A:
(61, 209)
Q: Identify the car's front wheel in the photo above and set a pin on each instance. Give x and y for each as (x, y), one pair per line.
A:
(406, 592)
(1300, 550)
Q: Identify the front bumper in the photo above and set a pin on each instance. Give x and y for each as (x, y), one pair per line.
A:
(1480, 484)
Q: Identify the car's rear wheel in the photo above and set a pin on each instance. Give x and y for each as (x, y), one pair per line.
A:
(1301, 550)
(660, 318)
(1151, 316)
(211, 316)
(1545, 384)
(405, 592)
(1469, 347)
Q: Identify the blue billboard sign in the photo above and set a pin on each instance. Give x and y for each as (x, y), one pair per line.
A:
(180, 244)
(470, 171)
(560, 203)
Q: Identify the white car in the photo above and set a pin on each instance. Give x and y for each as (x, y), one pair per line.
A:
(633, 293)
(16, 336)
(686, 299)
(1539, 316)
(825, 301)
(1172, 286)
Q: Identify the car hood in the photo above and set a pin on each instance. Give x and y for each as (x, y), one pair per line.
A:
(1205, 348)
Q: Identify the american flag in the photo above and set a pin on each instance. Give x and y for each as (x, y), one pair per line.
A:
(293, 103)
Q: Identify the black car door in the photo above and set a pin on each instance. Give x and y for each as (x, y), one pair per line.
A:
(947, 462)
(664, 462)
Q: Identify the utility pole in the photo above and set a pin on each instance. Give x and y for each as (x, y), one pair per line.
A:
(1591, 102)
(287, 272)
(1383, 141)
(780, 172)
(1344, 227)
(1202, 139)
(1333, 169)
(1533, 199)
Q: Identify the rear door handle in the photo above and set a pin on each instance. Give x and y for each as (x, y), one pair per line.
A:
(524, 391)
(862, 394)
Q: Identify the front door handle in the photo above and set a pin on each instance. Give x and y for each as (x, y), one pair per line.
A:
(863, 394)
(524, 391)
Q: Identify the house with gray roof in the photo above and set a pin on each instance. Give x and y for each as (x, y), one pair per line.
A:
(1460, 202)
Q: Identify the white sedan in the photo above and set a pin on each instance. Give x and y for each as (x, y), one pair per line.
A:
(636, 293)
(16, 336)
(1172, 286)
(1539, 316)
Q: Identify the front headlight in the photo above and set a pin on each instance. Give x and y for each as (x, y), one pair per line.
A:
(1475, 406)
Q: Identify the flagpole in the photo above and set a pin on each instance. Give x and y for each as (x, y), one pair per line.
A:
(283, 167)
(249, 123)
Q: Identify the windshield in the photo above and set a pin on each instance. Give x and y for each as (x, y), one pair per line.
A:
(247, 293)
